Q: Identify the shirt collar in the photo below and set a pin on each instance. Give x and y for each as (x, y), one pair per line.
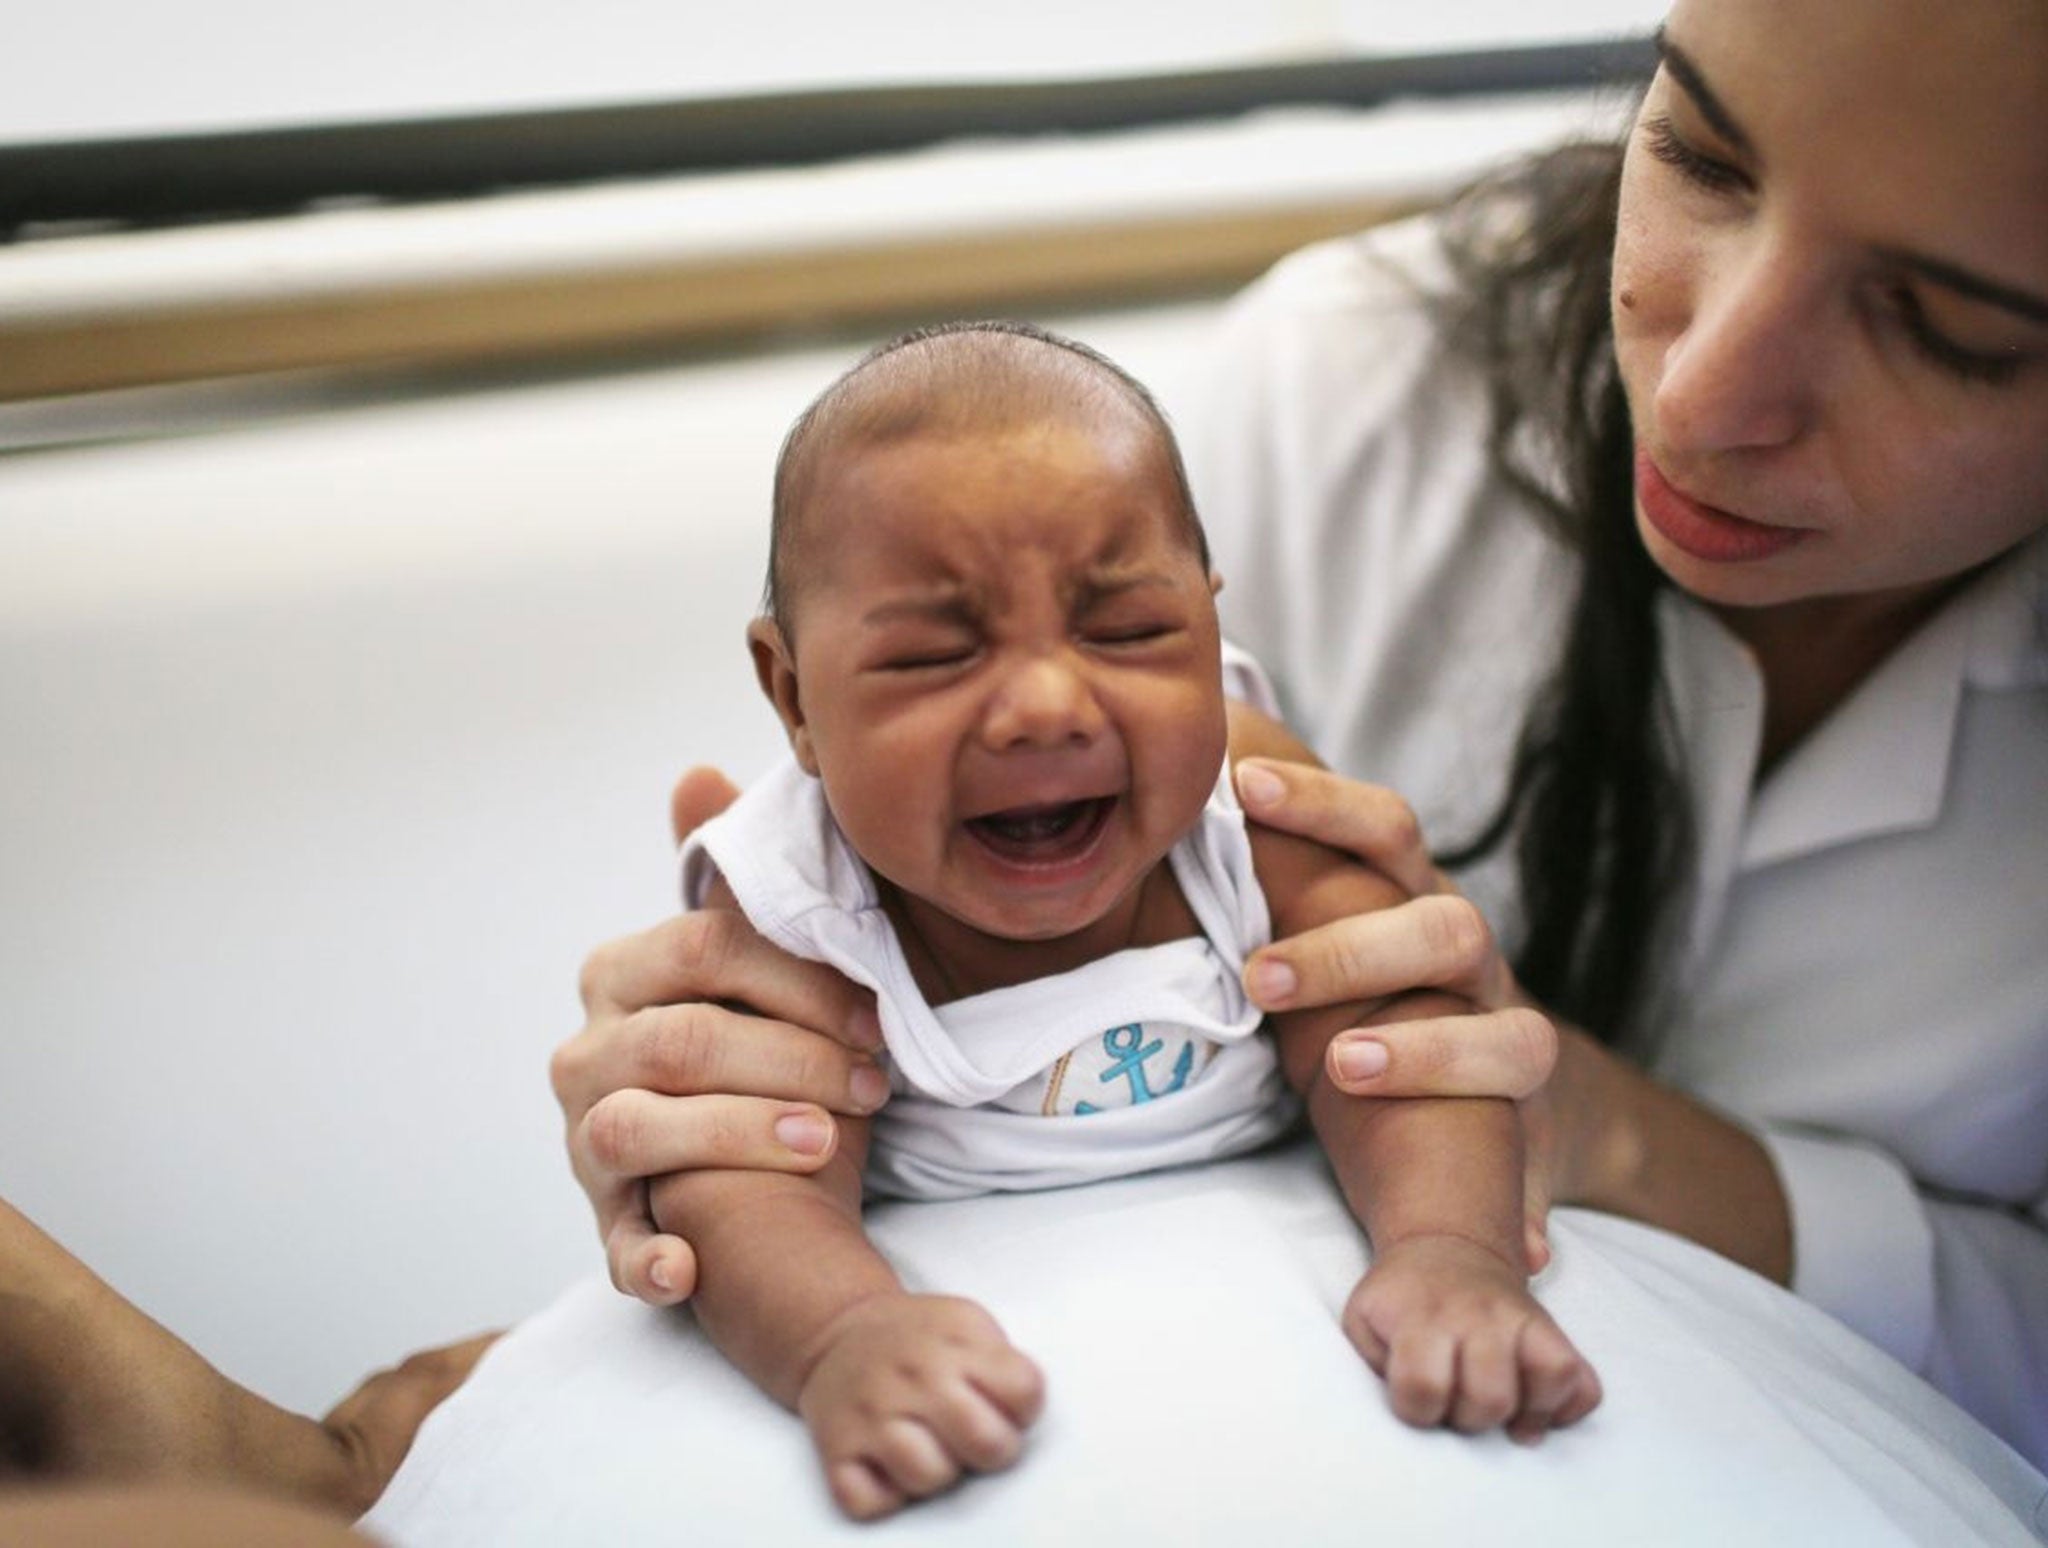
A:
(2009, 612)
(1879, 764)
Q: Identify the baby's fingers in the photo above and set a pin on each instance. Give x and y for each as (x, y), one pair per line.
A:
(1012, 1382)
(1489, 1380)
(982, 1419)
(1558, 1387)
(879, 1470)
(861, 1489)
(1422, 1375)
(912, 1458)
(1365, 1338)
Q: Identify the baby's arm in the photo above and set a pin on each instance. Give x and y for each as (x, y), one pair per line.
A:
(1444, 1314)
(901, 1392)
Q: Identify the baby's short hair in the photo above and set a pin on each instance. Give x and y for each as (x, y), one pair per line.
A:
(955, 375)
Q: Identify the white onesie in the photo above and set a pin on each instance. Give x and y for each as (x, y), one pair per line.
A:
(1146, 1058)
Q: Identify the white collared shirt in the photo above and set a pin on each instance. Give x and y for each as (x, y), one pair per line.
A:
(1861, 968)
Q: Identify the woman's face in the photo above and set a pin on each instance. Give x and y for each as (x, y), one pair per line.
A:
(1831, 295)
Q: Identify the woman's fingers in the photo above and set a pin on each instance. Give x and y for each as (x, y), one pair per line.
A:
(701, 1048)
(634, 1133)
(647, 1264)
(700, 795)
(714, 954)
(667, 1075)
(1368, 821)
(1535, 1233)
(1437, 942)
(1506, 1053)
(652, 1021)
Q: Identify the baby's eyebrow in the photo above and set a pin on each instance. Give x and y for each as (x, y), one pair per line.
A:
(952, 607)
(1100, 587)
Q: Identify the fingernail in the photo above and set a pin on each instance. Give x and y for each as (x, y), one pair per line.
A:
(1271, 982)
(870, 1087)
(658, 1276)
(1361, 1060)
(1259, 787)
(865, 1030)
(806, 1133)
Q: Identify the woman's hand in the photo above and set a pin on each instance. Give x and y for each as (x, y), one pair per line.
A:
(1598, 1131)
(1437, 940)
(704, 1046)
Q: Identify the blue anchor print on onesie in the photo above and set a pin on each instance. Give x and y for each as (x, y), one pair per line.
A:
(1129, 1051)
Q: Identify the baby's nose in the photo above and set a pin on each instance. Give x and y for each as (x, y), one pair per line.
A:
(1042, 702)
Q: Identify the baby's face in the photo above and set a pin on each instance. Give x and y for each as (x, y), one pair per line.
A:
(1006, 669)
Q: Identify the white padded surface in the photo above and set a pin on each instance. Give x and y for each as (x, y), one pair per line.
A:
(1200, 1392)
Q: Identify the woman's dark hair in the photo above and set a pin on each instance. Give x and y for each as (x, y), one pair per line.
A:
(1595, 805)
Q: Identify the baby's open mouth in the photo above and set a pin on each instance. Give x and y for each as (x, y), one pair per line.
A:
(1043, 834)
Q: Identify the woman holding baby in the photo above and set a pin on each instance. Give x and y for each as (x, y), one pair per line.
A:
(1666, 529)
(1653, 545)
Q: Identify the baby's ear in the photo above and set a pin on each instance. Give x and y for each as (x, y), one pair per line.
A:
(1215, 583)
(775, 670)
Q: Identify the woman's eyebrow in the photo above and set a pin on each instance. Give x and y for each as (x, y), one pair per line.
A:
(1686, 72)
(1975, 286)
(1683, 70)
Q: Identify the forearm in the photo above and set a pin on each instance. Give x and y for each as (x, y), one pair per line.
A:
(1426, 1167)
(93, 1388)
(1417, 1166)
(780, 1261)
(1634, 1147)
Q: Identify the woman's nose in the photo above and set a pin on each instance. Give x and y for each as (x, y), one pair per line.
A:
(1042, 701)
(1743, 372)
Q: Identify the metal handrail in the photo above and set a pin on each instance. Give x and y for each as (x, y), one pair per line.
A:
(177, 178)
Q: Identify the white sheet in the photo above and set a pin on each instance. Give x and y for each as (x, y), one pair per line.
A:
(1201, 1393)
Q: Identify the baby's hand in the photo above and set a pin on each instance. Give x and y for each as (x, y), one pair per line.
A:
(1461, 1341)
(911, 1390)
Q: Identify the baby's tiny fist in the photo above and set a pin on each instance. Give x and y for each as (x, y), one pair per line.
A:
(1461, 1342)
(911, 1392)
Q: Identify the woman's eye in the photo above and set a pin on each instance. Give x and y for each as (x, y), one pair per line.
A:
(1695, 166)
(1939, 349)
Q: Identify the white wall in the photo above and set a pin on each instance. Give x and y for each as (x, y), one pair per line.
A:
(334, 737)
(332, 743)
(99, 67)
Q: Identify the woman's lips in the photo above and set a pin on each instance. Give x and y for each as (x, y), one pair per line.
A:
(1705, 531)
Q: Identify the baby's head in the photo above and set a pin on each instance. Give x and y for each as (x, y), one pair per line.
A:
(991, 627)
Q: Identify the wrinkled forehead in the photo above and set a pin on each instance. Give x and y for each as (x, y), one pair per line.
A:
(980, 500)
(928, 461)
(974, 386)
